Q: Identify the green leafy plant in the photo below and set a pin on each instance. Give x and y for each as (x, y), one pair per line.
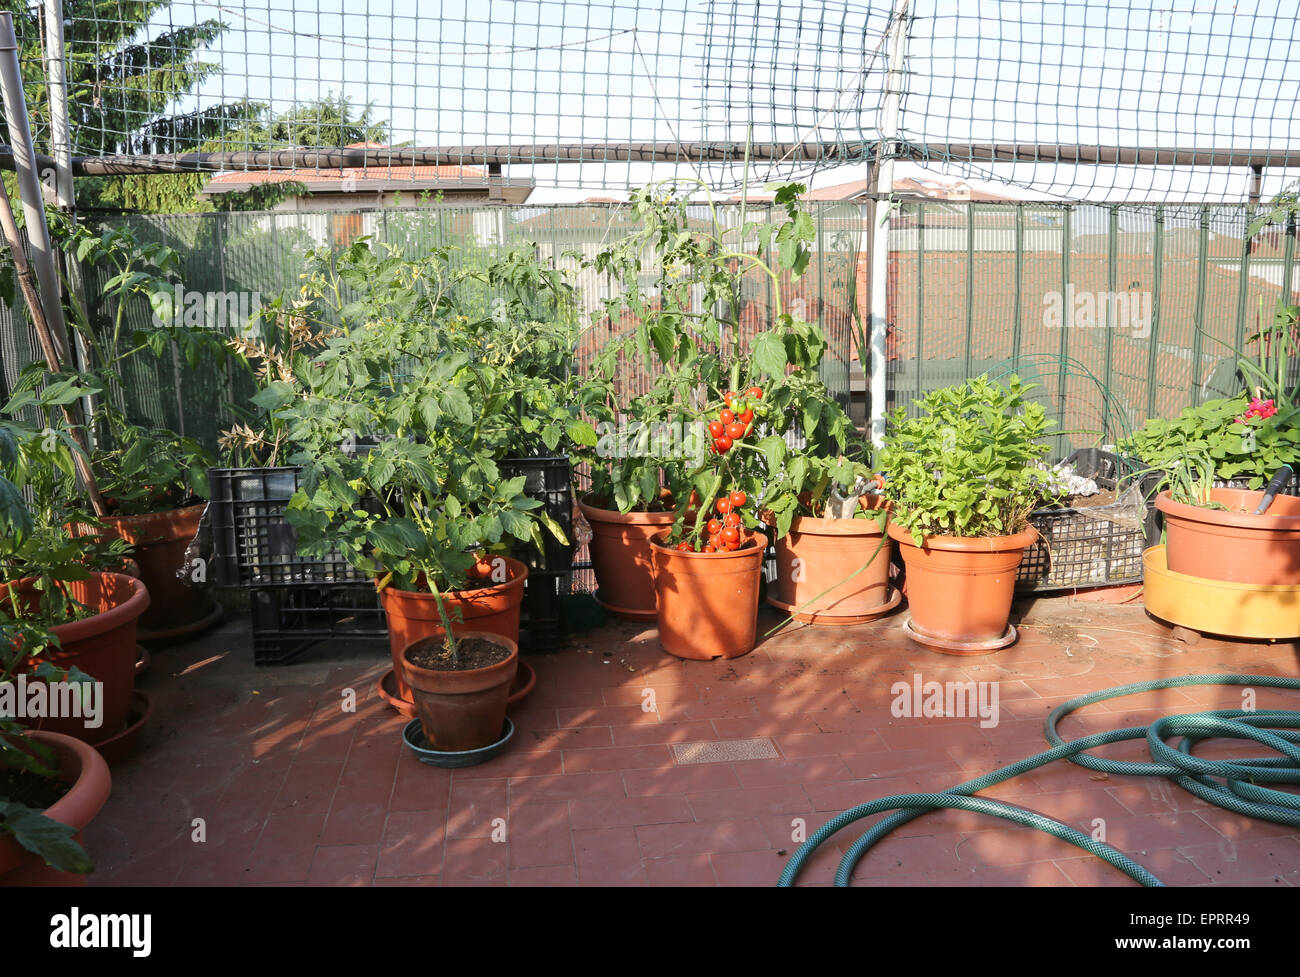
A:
(1249, 436)
(400, 417)
(967, 465)
(675, 442)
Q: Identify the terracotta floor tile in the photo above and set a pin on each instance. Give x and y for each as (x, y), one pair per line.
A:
(292, 789)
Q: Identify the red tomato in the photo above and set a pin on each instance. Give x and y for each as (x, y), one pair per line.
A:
(729, 395)
(729, 535)
(722, 445)
(710, 548)
(723, 505)
(717, 429)
(713, 528)
(746, 416)
(716, 540)
(685, 548)
(726, 417)
(738, 499)
(754, 393)
(735, 430)
(732, 519)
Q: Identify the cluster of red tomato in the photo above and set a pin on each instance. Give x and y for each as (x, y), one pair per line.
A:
(723, 533)
(733, 425)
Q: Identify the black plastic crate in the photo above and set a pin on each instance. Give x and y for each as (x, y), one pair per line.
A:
(289, 620)
(1088, 546)
(551, 571)
(254, 545)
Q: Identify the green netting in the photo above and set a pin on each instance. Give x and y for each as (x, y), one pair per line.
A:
(1074, 99)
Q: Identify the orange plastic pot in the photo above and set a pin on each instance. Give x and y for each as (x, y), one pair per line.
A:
(413, 615)
(80, 765)
(707, 603)
(1235, 545)
(102, 645)
(620, 556)
(159, 541)
(461, 710)
(834, 572)
(959, 589)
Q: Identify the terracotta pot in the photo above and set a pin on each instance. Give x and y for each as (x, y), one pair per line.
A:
(708, 602)
(1235, 546)
(620, 555)
(490, 610)
(81, 766)
(159, 541)
(463, 710)
(834, 572)
(959, 589)
(103, 646)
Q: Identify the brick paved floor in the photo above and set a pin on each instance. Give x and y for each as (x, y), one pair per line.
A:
(293, 789)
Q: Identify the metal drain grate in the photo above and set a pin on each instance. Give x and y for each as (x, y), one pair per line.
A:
(726, 751)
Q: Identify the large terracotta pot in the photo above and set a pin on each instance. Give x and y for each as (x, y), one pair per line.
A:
(103, 646)
(461, 710)
(159, 541)
(413, 615)
(708, 602)
(834, 571)
(1235, 545)
(959, 589)
(620, 555)
(81, 766)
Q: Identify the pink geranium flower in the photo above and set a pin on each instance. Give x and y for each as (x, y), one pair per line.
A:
(1260, 408)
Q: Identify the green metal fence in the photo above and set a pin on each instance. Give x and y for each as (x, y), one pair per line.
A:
(1120, 312)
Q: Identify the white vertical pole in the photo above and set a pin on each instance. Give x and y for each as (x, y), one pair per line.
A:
(880, 231)
(57, 89)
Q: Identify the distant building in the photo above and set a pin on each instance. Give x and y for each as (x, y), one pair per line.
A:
(377, 186)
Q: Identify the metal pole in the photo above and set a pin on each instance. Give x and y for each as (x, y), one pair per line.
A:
(38, 234)
(57, 93)
(878, 383)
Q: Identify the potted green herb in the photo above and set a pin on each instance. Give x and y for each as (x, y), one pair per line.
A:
(1212, 463)
(152, 479)
(51, 785)
(422, 505)
(963, 476)
(50, 580)
(712, 427)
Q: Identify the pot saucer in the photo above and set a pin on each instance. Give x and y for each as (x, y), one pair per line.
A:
(950, 647)
(122, 744)
(625, 613)
(841, 620)
(184, 630)
(524, 683)
(413, 736)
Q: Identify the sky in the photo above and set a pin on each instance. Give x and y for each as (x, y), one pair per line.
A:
(1169, 73)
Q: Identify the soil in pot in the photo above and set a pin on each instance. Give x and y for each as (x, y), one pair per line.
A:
(834, 572)
(102, 645)
(959, 589)
(1232, 544)
(461, 702)
(413, 615)
(621, 558)
(29, 789)
(707, 603)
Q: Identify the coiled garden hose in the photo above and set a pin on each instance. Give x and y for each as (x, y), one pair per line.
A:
(1233, 785)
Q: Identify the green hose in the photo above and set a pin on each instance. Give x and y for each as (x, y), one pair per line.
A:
(1236, 789)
